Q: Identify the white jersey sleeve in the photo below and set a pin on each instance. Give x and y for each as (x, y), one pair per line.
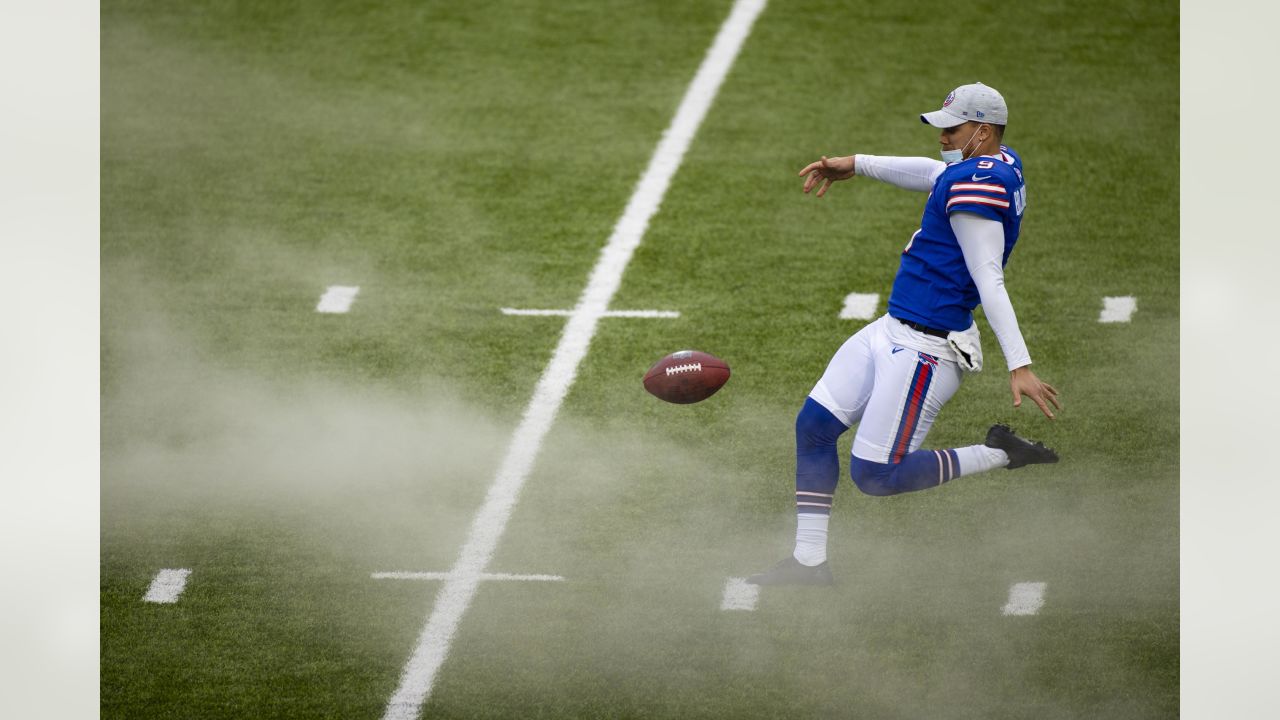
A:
(908, 173)
(982, 242)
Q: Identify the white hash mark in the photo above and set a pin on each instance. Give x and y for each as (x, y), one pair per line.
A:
(167, 586)
(607, 313)
(401, 575)
(337, 299)
(1117, 309)
(860, 306)
(739, 595)
(1025, 598)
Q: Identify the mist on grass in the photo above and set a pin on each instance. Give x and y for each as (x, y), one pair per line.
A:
(645, 527)
(194, 449)
(914, 627)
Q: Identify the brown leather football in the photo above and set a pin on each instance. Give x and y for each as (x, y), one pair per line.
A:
(686, 376)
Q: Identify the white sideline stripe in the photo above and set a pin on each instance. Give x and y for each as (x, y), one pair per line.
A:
(739, 595)
(1118, 309)
(167, 586)
(1025, 598)
(860, 306)
(399, 575)
(337, 298)
(607, 313)
(456, 593)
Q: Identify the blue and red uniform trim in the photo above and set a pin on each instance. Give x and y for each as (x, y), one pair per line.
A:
(920, 383)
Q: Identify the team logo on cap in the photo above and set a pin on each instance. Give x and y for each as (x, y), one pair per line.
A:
(951, 96)
(979, 113)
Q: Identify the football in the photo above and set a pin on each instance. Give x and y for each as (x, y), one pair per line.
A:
(687, 376)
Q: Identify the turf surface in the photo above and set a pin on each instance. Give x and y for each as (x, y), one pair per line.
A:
(451, 159)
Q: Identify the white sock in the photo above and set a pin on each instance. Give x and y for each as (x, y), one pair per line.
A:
(980, 458)
(811, 539)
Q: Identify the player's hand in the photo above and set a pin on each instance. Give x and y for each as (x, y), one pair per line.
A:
(828, 169)
(1024, 382)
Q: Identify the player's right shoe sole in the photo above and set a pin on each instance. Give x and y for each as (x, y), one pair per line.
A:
(790, 572)
(1020, 451)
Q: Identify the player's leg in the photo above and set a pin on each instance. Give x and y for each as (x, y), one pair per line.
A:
(836, 402)
(834, 405)
(817, 476)
(923, 469)
(911, 388)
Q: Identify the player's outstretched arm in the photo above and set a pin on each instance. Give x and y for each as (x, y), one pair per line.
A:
(826, 169)
(908, 173)
(1023, 382)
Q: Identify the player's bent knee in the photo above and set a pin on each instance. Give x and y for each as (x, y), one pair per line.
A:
(872, 478)
(816, 426)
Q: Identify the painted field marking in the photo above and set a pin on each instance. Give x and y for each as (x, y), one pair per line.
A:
(860, 306)
(1025, 598)
(607, 313)
(337, 299)
(400, 575)
(167, 586)
(456, 593)
(1117, 309)
(739, 595)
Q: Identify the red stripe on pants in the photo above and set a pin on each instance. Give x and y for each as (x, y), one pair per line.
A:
(914, 404)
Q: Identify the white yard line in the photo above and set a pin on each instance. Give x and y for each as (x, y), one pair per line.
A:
(1025, 598)
(514, 311)
(860, 306)
(1118, 309)
(642, 314)
(400, 575)
(607, 313)
(739, 595)
(337, 299)
(456, 593)
(167, 586)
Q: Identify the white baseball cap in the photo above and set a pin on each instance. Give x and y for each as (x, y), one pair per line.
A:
(975, 102)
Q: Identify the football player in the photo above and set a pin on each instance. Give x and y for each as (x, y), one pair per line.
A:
(893, 376)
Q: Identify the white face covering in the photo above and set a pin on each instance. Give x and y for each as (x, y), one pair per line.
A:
(954, 156)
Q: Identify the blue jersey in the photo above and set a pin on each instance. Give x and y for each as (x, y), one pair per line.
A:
(933, 286)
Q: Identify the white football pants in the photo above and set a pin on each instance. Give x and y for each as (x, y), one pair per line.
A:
(892, 392)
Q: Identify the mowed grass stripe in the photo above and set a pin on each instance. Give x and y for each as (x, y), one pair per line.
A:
(457, 159)
(239, 144)
(491, 520)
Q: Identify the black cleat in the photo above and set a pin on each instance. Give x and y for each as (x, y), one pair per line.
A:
(1021, 452)
(791, 572)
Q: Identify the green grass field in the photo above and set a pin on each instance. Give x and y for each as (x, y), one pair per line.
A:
(451, 159)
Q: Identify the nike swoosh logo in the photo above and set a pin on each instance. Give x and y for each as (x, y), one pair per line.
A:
(896, 351)
(984, 177)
